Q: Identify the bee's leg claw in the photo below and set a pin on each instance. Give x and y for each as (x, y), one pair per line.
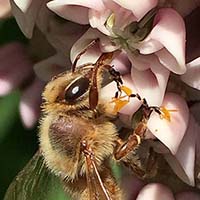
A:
(125, 148)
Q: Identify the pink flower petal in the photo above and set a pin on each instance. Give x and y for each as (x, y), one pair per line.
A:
(177, 168)
(106, 44)
(13, 72)
(23, 4)
(131, 185)
(169, 30)
(108, 92)
(149, 45)
(69, 9)
(184, 165)
(95, 4)
(60, 35)
(30, 103)
(155, 191)
(51, 66)
(168, 60)
(121, 63)
(170, 132)
(192, 76)
(134, 103)
(139, 8)
(151, 83)
(69, 13)
(5, 9)
(140, 62)
(92, 53)
(122, 17)
(6, 87)
(97, 20)
(186, 150)
(26, 21)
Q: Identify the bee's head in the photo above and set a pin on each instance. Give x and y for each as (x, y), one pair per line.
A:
(68, 91)
(72, 91)
(78, 89)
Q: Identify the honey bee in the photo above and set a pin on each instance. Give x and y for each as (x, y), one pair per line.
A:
(78, 137)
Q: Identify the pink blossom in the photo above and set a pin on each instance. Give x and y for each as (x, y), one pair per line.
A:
(169, 31)
(168, 132)
(29, 103)
(156, 78)
(154, 66)
(155, 191)
(13, 71)
(30, 13)
(18, 73)
(191, 77)
(184, 160)
(48, 68)
(5, 9)
(153, 89)
(26, 17)
(98, 10)
(23, 5)
(166, 22)
(171, 132)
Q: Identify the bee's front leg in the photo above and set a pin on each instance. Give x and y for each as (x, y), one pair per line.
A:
(124, 148)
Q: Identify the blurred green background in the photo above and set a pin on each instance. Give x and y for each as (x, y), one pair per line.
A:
(17, 144)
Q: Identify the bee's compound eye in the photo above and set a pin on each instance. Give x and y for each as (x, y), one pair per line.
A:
(77, 89)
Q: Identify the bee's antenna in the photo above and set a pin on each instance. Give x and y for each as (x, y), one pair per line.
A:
(92, 43)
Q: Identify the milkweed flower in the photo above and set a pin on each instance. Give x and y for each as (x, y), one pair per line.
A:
(18, 73)
(140, 31)
(5, 9)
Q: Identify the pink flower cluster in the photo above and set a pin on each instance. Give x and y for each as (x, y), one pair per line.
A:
(151, 37)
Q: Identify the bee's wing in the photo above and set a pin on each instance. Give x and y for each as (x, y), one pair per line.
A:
(33, 182)
(96, 187)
